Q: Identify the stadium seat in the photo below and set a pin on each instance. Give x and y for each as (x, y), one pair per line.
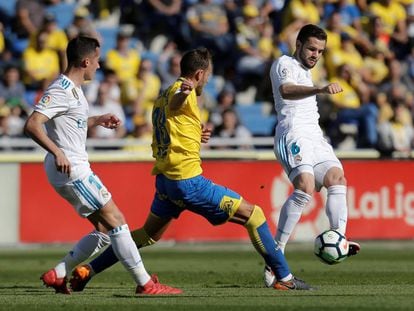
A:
(108, 35)
(8, 7)
(30, 96)
(63, 13)
(256, 118)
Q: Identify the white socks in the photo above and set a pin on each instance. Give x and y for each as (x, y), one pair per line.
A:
(128, 254)
(336, 208)
(86, 247)
(290, 215)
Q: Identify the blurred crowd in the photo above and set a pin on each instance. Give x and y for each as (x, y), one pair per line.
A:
(370, 52)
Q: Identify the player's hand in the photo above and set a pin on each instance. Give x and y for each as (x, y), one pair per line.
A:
(332, 88)
(186, 86)
(109, 121)
(205, 133)
(62, 163)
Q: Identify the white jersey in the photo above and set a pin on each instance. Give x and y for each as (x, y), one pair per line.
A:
(299, 115)
(67, 109)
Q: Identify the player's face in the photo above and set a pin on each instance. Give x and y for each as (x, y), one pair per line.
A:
(203, 80)
(310, 52)
(93, 64)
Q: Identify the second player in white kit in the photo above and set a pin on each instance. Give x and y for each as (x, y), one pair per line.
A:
(300, 147)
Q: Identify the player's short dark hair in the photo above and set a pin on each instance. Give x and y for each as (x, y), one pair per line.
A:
(79, 48)
(309, 31)
(194, 60)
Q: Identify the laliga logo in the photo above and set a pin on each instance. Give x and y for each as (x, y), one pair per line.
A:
(313, 220)
(389, 202)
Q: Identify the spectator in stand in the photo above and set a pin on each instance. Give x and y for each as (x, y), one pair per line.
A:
(346, 54)
(16, 120)
(91, 89)
(81, 24)
(394, 18)
(11, 88)
(166, 18)
(225, 100)
(169, 65)
(378, 36)
(2, 39)
(103, 105)
(304, 11)
(124, 60)
(255, 52)
(141, 92)
(40, 63)
(395, 134)
(4, 120)
(28, 18)
(232, 128)
(56, 38)
(396, 76)
(353, 107)
(210, 26)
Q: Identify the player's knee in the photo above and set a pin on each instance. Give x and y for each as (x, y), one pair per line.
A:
(335, 179)
(256, 219)
(305, 183)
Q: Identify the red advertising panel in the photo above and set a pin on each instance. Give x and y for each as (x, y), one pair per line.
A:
(380, 200)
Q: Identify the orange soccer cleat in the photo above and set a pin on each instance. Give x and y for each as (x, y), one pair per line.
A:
(80, 277)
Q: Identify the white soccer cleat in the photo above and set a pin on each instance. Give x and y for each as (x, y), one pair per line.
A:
(268, 277)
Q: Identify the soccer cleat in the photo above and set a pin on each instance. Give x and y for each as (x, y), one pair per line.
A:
(50, 279)
(154, 287)
(268, 277)
(80, 277)
(354, 248)
(292, 284)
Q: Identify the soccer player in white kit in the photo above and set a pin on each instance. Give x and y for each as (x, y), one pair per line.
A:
(63, 111)
(300, 147)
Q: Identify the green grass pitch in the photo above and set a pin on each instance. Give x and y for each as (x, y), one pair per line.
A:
(220, 277)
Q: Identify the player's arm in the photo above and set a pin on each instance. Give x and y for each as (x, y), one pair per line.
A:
(108, 120)
(295, 91)
(179, 98)
(34, 127)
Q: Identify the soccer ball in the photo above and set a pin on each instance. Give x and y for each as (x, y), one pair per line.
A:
(331, 247)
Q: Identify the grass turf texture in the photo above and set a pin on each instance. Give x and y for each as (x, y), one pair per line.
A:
(220, 277)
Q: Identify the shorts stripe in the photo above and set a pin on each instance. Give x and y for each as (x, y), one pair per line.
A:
(283, 153)
(87, 195)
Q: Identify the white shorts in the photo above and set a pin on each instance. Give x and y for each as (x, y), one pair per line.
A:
(305, 154)
(86, 195)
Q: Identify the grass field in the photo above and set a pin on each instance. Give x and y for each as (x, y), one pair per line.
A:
(220, 277)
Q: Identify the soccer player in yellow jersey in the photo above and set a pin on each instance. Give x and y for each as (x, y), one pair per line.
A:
(177, 137)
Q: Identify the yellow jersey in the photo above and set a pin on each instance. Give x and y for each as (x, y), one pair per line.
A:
(176, 139)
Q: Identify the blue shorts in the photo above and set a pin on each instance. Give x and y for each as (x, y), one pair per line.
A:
(198, 194)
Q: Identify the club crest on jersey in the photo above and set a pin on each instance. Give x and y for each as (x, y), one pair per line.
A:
(75, 94)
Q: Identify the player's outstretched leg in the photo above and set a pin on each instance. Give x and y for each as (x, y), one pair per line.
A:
(50, 279)
(265, 244)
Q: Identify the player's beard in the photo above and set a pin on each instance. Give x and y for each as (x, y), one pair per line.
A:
(305, 61)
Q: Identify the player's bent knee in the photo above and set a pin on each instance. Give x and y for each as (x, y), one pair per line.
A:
(256, 219)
